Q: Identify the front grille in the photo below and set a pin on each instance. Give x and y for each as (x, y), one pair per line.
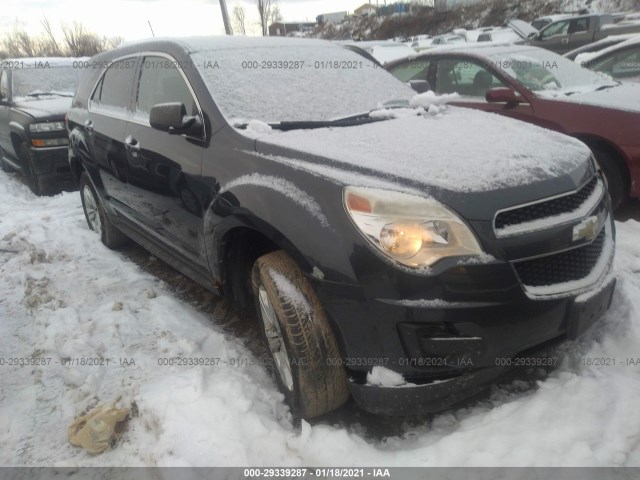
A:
(561, 267)
(550, 208)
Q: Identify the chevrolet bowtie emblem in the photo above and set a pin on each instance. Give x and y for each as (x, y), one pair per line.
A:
(586, 230)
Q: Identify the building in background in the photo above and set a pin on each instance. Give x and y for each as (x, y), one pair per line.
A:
(284, 29)
(366, 9)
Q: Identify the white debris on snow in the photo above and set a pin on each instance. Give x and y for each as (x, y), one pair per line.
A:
(62, 294)
(429, 99)
(383, 377)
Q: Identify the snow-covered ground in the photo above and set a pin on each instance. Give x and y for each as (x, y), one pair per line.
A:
(63, 295)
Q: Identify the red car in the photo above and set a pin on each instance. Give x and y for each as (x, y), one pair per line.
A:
(541, 87)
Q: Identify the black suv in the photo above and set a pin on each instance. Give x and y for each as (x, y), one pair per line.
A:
(405, 255)
(35, 95)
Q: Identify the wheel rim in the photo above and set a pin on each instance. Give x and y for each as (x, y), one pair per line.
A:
(275, 339)
(91, 209)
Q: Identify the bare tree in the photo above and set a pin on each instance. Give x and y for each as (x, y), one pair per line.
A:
(76, 42)
(239, 19)
(48, 41)
(275, 16)
(264, 11)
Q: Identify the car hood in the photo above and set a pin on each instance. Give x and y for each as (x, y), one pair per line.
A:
(44, 108)
(462, 156)
(524, 29)
(624, 97)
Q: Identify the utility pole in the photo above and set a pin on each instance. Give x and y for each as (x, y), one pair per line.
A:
(225, 17)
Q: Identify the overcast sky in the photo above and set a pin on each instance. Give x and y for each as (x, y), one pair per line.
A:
(129, 18)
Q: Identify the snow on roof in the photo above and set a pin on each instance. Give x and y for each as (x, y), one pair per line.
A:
(459, 150)
(631, 40)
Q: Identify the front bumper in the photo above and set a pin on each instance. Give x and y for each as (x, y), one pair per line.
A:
(51, 167)
(438, 395)
(455, 333)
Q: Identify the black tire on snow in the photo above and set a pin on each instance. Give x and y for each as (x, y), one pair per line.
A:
(319, 380)
(110, 235)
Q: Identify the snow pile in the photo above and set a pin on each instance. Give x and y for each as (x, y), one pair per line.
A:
(383, 377)
(429, 99)
(64, 296)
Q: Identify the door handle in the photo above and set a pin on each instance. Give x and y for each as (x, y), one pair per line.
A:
(565, 40)
(88, 126)
(132, 144)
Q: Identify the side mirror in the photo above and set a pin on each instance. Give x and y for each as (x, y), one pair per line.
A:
(535, 35)
(503, 95)
(172, 118)
(420, 86)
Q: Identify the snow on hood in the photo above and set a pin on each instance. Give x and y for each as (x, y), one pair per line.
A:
(460, 150)
(621, 97)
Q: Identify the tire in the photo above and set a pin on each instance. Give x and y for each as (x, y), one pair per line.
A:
(96, 217)
(616, 178)
(4, 166)
(31, 179)
(317, 382)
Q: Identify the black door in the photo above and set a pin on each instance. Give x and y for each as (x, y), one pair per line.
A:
(164, 169)
(109, 110)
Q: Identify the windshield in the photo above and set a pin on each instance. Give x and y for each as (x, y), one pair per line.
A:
(318, 82)
(543, 71)
(55, 80)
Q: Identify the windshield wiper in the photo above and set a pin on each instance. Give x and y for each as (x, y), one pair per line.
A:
(604, 87)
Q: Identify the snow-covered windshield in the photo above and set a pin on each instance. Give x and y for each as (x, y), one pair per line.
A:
(275, 83)
(47, 80)
(544, 71)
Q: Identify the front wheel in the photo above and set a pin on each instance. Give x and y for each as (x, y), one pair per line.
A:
(616, 179)
(303, 349)
(96, 217)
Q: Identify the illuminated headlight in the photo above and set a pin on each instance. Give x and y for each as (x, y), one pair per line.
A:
(47, 127)
(412, 230)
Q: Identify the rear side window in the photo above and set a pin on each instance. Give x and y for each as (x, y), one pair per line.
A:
(113, 90)
(161, 82)
(413, 70)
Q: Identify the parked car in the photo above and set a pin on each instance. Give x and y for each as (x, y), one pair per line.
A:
(35, 94)
(569, 34)
(502, 35)
(621, 61)
(447, 39)
(541, 87)
(438, 247)
(590, 50)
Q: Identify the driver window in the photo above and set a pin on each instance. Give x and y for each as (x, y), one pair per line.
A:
(560, 28)
(465, 78)
(161, 82)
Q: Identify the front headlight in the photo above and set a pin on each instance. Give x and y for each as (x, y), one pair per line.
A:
(415, 231)
(47, 127)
